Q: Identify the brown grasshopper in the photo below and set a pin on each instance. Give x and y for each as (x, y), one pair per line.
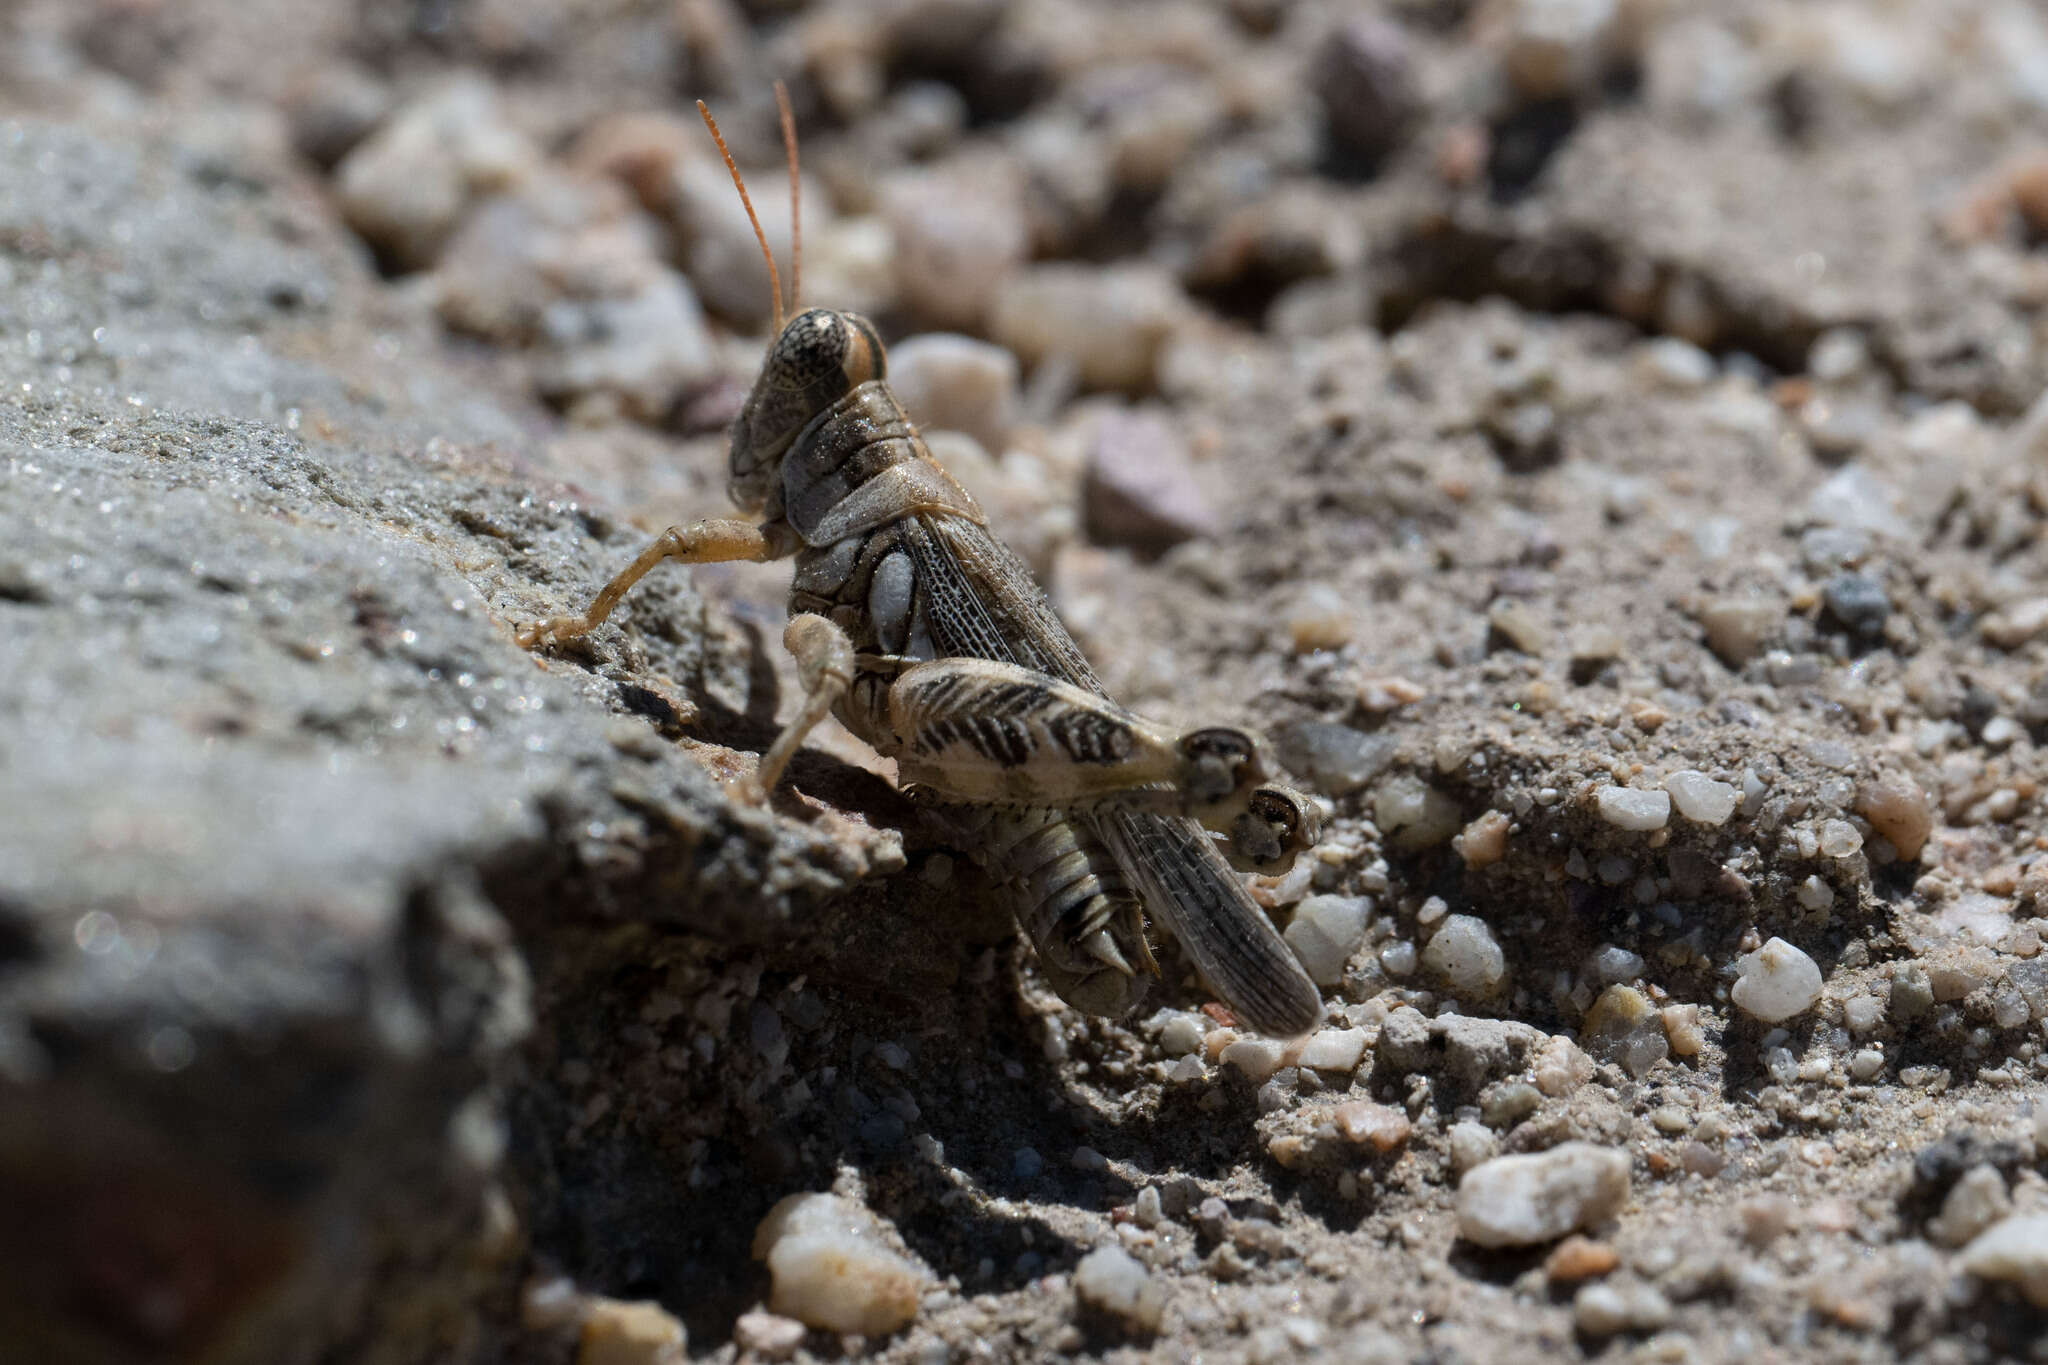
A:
(926, 636)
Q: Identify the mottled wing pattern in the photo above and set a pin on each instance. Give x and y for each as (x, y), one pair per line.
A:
(982, 601)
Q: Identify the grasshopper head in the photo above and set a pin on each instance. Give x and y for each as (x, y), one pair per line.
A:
(818, 358)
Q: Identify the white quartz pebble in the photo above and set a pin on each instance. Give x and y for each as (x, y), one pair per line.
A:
(1325, 932)
(1111, 1279)
(1627, 808)
(1700, 798)
(1464, 955)
(831, 1270)
(1526, 1199)
(1776, 982)
(1334, 1049)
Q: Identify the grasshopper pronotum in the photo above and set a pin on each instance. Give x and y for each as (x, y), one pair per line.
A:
(927, 637)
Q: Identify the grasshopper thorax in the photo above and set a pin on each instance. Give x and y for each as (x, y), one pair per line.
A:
(819, 357)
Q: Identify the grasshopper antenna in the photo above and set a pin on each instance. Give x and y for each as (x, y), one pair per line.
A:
(774, 279)
(796, 207)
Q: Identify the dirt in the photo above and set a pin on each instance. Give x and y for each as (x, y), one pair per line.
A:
(1549, 398)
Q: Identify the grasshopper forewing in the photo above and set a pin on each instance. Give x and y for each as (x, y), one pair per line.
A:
(927, 637)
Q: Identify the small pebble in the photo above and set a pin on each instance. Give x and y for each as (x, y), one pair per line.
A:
(1516, 624)
(1364, 76)
(1862, 1013)
(1839, 839)
(1561, 1066)
(1484, 842)
(1181, 1035)
(1470, 1144)
(1776, 982)
(1139, 487)
(1112, 1280)
(1676, 363)
(1109, 322)
(1602, 1310)
(1398, 957)
(2012, 626)
(1527, 1199)
(960, 233)
(405, 186)
(830, 1270)
(1504, 1106)
(1765, 1218)
(2014, 1251)
(1366, 1123)
(333, 107)
(1579, 1258)
(1700, 798)
(1464, 955)
(1382, 694)
(1257, 1058)
(1416, 814)
(1898, 810)
(1321, 618)
(617, 1332)
(1972, 1204)
(1325, 932)
(1866, 1064)
(1148, 1209)
(1738, 627)
(1613, 964)
(1682, 1030)
(1858, 601)
(957, 383)
(768, 1335)
(1624, 1027)
(1854, 497)
(1334, 1050)
(1336, 759)
(1630, 809)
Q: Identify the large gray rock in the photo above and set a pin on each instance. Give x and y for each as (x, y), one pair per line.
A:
(276, 785)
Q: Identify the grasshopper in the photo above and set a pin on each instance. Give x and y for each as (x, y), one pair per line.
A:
(927, 637)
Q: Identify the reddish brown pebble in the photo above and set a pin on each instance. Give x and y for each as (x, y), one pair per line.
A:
(1374, 1125)
(1579, 1258)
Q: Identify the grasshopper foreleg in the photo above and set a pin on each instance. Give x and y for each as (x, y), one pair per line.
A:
(703, 542)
